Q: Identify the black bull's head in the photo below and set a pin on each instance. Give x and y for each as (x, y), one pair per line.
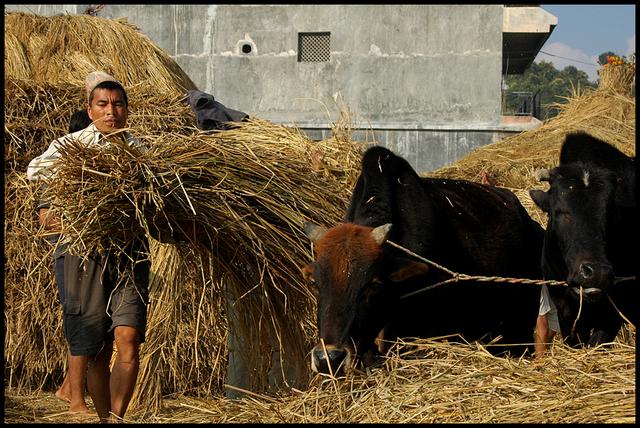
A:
(356, 280)
(580, 209)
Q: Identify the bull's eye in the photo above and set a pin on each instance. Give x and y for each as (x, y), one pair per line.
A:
(563, 217)
(561, 212)
(376, 282)
(307, 273)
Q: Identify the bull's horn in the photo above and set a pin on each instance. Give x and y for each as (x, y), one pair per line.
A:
(542, 175)
(380, 233)
(313, 231)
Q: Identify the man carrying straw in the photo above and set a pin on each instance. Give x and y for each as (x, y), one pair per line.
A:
(78, 121)
(104, 296)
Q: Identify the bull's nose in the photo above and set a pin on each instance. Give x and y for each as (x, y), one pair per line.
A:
(595, 275)
(330, 361)
(586, 270)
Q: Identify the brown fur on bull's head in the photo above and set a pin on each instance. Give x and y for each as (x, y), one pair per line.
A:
(356, 281)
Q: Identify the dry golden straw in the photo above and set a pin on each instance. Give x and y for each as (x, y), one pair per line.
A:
(249, 189)
(63, 49)
(426, 382)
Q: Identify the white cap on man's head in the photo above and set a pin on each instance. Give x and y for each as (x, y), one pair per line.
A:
(95, 78)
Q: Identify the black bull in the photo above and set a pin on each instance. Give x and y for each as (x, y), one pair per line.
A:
(465, 226)
(591, 239)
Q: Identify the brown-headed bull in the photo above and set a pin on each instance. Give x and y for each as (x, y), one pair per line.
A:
(467, 227)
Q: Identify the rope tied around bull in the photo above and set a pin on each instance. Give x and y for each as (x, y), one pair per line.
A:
(455, 276)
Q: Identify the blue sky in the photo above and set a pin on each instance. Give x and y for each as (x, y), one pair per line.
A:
(585, 31)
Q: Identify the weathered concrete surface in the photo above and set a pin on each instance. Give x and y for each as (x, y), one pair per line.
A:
(418, 67)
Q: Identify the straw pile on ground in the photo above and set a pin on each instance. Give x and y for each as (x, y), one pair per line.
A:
(429, 382)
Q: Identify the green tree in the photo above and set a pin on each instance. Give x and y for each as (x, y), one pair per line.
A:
(552, 85)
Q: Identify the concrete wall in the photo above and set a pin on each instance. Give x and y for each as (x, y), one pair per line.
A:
(426, 79)
(426, 150)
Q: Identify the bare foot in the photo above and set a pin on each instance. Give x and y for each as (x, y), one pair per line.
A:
(79, 408)
(64, 393)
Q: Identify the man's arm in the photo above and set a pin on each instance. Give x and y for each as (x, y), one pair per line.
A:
(48, 220)
(40, 166)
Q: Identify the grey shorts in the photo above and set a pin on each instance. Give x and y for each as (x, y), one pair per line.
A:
(100, 293)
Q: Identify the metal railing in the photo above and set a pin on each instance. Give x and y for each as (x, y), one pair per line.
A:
(521, 103)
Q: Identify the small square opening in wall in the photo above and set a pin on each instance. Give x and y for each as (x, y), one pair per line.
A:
(314, 47)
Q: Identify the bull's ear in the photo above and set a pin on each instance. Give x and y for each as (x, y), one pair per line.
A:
(407, 269)
(313, 231)
(540, 198)
(625, 191)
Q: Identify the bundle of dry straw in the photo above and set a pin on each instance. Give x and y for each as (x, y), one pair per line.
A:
(618, 78)
(64, 49)
(234, 185)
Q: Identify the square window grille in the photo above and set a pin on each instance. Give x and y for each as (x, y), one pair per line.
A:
(314, 47)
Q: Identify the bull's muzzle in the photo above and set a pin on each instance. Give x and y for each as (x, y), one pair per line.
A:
(591, 279)
(329, 359)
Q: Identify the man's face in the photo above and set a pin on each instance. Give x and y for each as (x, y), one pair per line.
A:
(108, 110)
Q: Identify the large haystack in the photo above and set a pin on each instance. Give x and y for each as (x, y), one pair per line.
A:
(63, 49)
(265, 179)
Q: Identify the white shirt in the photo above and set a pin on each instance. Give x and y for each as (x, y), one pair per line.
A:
(549, 308)
(42, 166)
